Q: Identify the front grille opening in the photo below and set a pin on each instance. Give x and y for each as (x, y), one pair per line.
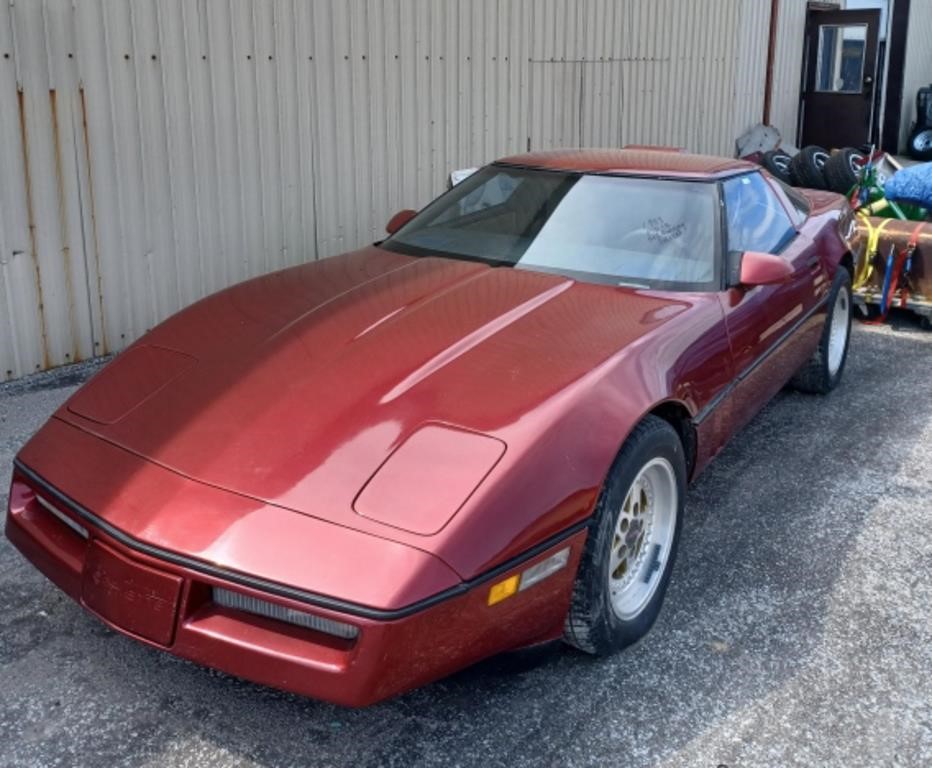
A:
(240, 602)
(61, 516)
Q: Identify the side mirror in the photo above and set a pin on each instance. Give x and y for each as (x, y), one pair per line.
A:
(755, 268)
(397, 221)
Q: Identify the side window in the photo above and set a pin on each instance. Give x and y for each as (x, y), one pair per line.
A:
(795, 203)
(756, 220)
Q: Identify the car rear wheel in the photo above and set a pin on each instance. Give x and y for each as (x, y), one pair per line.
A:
(632, 544)
(823, 371)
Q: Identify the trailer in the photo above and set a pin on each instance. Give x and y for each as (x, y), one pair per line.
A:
(894, 267)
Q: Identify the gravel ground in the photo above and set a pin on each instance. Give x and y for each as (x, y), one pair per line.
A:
(797, 628)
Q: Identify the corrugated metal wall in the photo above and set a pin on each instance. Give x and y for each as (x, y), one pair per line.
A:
(154, 151)
(918, 70)
(787, 69)
(659, 72)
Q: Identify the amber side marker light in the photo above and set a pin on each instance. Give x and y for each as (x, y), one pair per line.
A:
(509, 587)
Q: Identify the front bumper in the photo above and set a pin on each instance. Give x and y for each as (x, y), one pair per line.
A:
(169, 605)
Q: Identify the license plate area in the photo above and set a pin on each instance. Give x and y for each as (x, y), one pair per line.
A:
(129, 595)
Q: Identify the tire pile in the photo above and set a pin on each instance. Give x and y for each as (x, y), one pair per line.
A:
(816, 168)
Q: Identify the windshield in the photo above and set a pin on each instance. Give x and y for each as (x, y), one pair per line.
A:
(654, 233)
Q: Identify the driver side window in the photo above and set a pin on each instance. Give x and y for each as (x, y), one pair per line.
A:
(756, 220)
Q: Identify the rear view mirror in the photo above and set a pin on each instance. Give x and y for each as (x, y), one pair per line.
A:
(397, 221)
(756, 268)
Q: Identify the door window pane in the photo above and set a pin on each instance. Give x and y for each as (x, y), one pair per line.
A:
(793, 202)
(840, 64)
(756, 220)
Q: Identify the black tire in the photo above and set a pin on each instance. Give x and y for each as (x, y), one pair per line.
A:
(592, 624)
(806, 167)
(841, 169)
(920, 144)
(817, 376)
(778, 163)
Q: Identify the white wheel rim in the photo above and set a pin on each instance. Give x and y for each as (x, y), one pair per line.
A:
(642, 538)
(838, 331)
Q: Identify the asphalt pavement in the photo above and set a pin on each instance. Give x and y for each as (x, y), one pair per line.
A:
(797, 629)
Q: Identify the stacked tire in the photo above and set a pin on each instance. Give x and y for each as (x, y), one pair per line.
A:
(778, 163)
(842, 168)
(806, 168)
(814, 167)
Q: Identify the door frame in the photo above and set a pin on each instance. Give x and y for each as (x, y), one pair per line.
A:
(813, 13)
(891, 63)
(895, 52)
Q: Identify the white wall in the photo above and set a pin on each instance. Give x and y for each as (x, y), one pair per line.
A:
(882, 5)
(788, 61)
(918, 70)
(154, 151)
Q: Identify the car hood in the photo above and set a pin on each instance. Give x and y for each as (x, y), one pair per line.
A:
(295, 387)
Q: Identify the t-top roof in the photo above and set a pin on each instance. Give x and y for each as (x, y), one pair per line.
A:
(635, 162)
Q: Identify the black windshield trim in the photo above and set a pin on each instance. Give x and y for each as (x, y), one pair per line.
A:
(427, 253)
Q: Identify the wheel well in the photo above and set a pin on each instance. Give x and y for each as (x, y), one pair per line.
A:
(678, 417)
(847, 261)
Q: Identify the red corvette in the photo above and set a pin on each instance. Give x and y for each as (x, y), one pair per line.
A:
(355, 476)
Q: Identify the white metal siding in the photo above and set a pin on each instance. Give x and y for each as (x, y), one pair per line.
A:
(918, 69)
(787, 69)
(154, 151)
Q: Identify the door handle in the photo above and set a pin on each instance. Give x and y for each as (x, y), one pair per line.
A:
(813, 263)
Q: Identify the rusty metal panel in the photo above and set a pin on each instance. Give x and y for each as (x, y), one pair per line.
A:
(21, 324)
(155, 151)
(43, 262)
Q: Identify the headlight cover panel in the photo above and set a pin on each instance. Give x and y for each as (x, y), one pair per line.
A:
(428, 478)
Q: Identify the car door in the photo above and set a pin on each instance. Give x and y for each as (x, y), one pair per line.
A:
(772, 329)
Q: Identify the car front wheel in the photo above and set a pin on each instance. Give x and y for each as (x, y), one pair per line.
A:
(631, 547)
